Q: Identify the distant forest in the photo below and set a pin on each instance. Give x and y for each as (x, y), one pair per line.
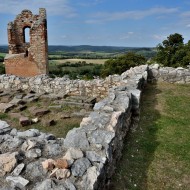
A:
(87, 49)
(3, 49)
(106, 49)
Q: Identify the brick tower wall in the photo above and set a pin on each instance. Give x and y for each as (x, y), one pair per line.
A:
(27, 59)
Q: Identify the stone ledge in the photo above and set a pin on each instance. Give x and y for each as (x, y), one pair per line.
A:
(12, 56)
(92, 150)
(168, 74)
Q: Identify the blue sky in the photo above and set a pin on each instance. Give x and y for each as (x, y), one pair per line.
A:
(130, 23)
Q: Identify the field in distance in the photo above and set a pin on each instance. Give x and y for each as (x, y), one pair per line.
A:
(81, 62)
(75, 60)
(90, 52)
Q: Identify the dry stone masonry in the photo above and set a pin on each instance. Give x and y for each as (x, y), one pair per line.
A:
(169, 74)
(27, 58)
(94, 88)
(87, 157)
(63, 86)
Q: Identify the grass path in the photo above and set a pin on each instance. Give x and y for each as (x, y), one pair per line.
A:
(157, 155)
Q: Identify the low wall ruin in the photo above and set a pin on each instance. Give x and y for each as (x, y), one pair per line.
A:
(168, 74)
(42, 83)
(93, 149)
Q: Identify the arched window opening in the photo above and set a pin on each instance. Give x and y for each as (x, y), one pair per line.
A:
(26, 35)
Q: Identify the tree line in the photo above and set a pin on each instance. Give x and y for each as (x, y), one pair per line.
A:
(171, 52)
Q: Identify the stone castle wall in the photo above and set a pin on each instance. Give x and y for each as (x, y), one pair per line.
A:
(169, 74)
(94, 88)
(99, 137)
(94, 148)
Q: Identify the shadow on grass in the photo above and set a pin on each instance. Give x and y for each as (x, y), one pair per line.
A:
(139, 146)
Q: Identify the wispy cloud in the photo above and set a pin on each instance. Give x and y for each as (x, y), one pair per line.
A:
(126, 36)
(53, 7)
(90, 3)
(185, 14)
(64, 36)
(159, 37)
(134, 15)
(185, 19)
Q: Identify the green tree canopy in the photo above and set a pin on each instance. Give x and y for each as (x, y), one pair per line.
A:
(122, 63)
(173, 52)
(173, 40)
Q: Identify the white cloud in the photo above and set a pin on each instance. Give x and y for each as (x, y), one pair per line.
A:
(184, 19)
(130, 33)
(185, 14)
(90, 3)
(159, 37)
(134, 15)
(64, 36)
(53, 7)
(126, 36)
(91, 37)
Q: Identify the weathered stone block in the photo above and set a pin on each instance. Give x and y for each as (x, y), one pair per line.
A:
(76, 139)
(8, 162)
(24, 121)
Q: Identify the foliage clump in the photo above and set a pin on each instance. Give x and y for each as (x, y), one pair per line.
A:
(2, 67)
(122, 63)
(173, 51)
(79, 70)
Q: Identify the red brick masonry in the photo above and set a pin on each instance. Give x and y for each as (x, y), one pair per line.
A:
(27, 59)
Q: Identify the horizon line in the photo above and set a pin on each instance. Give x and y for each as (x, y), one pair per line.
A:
(96, 46)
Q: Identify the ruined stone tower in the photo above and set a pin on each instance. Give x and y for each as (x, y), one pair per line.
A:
(27, 58)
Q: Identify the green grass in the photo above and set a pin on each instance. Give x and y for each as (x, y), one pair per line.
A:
(2, 67)
(60, 129)
(2, 54)
(81, 55)
(75, 70)
(3, 116)
(94, 61)
(157, 155)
